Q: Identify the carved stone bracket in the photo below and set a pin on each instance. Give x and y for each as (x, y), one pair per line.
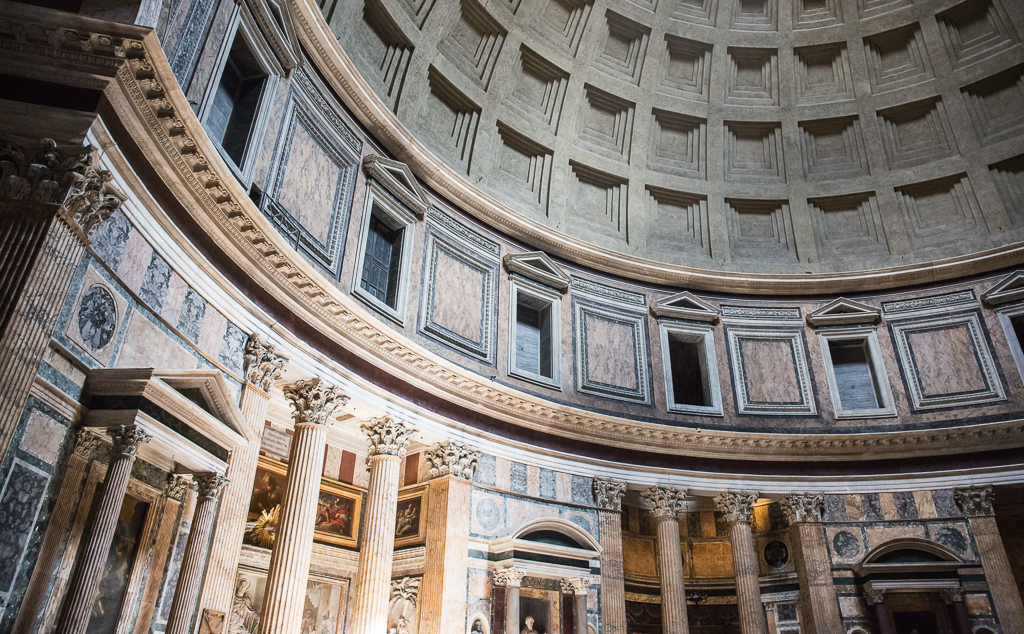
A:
(511, 577)
(608, 493)
(211, 484)
(575, 585)
(952, 595)
(737, 507)
(262, 363)
(452, 458)
(128, 439)
(664, 501)
(388, 436)
(975, 501)
(86, 443)
(178, 485)
(803, 507)
(874, 597)
(314, 401)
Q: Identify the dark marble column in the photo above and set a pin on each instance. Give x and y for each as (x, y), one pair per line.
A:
(510, 579)
(954, 598)
(876, 599)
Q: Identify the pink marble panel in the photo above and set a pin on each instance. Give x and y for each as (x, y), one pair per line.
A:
(770, 370)
(458, 297)
(135, 262)
(175, 298)
(945, 361)
(925, 504)
(309, 184)
(211, 335)
(611, 352)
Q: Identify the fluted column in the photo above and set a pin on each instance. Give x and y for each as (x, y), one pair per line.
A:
(313, 403)
(976, 504)
(608, 494)
(445, 581)
(665, 503)
(737, 508)
(388, 438)
(954, 598)
(89, 570)
(876, 600)
(819, 609)
(511, 579)
(193, 562)
(262, 366)
(578, 587)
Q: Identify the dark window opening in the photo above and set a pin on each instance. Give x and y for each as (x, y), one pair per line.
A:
(382, 261)
(233, 111)
(689, 385)
(1018, 329)
(855, 374)
(533, 336)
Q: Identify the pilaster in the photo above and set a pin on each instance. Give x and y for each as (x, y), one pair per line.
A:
(608, 494)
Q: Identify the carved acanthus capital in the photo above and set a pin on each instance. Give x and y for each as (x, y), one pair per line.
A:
(874, 597)
(41, 174)
(952, 595)
(90, 201)
(262, 363)
(737, 507)
(86, 443)
(405, 589)
(803, 507)
(509, 577)
(211, 484)
(975, 501)
(575, 585)
(451, 458)
(178, 485)
(314, 401)
(608, 493)
(388, 436)
(664, 501)
(128, 439)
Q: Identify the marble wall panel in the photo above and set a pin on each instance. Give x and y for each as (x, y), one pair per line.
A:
(638, 556)
(96, 318)
(20, 501)
(878, 535)
(146, 346)
(488, 513)
(953, 535)
(135, 262)
(612, 358)
(845, 544)
(43, 437)
(712, 559)
(770, 372)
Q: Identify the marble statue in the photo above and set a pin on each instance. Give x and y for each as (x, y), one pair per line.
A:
(529, 626)
(244, 619)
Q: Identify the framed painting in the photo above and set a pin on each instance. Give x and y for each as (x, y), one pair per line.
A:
(322, 608)
(411, 518)
(337, 513)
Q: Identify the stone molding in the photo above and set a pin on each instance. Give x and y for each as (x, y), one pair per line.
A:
(262, 364)
(874, 597)
(128, 439)
(664, 501)
(178, 486)
(975, 501)
(509, 577)
(388, 436)
(803, 507)
(575, 585)
(211, 485)
(451, 458)
(608, 494)
(736, 506)
(86, 443)
(952, 595)
(314, 401)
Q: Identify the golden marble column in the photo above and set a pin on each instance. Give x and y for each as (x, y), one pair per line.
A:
(193, 563)
(976, 504)
(578, 587)
(511, 579)
(445, 579)
(608, 494)
(262, 366)
(93, 556)
(819, 609)
(737, 508)
(388, 438)
(665, 503)
(313, 403)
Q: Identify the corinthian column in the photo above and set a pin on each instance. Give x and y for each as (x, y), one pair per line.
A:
(262, 366)
(818, 606)
(193, 562)
(89, 570)
(954, 597)
(313, 403)
(511, 579)
(976, 504)
(445, 580)
(665, 504)
(737, 508)
(608, 494)
(388, 438)
(876, 599)
(578, 587)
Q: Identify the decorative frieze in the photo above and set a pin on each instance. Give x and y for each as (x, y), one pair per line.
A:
(608, 493)
(975, 501)
(803, 507)
(508, 577)
(128, 439)
(451, 458)
(262, 363)
(760, 312)
(664, 501)
(388, 436)
(314, 401)
(737, 507)
(607, 292)
(210, 484)
(178, 486)
(575, 585)
(959, 299)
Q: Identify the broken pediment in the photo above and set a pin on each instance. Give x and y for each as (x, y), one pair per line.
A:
(1009, 289)
(397, 178)
(537, 266)
(685, 305)
(844, 311)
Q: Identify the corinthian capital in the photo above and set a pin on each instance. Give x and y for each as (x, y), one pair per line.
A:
(952, 595)
(803, 507)
(575, 585)
(511, 577)
(211, 484)
(608, 493)
(452, 458)
(262, 363)
(177, 486)
(89, 203)
(128, 439)
(86, 443)
(314, 401)
(975, 501)
(874, 597)
(42, 174)
(388, 436)
(737, 507)
(664, 501)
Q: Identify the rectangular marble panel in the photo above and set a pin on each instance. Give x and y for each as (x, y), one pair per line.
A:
(878, 535)
(925, 504)
(582, 490)
(43, 437)
(945, 505)
(135, 262)
(154, 287)
(906, 506)
(563, 486)
(147, 346)
(770, 372)
(638, 556)
(484, 473)
(712, 559)
(503, 474)
(20, 500)
(517, 476)
(611, 352)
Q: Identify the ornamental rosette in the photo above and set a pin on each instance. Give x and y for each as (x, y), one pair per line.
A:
(262, 364)
(177, 486)
(975, 501)
(314, 401)
(664, 501)
(608, 494)
(509, 577)
(803, 507)
(388, 436)
(737, 507)
(575, 585)
(86, 443)
(128, 439)
(451, 458)
(211, 485)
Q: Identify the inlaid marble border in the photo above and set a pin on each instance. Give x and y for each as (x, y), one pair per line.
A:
(806, 404)
(641, 356)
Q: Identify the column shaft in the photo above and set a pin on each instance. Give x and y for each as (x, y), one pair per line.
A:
(670, 564)
(512, 611)
(961, 620)
(998, 573)
(293, 544)
(885, 623)
(373, 586)
(183, 606)
(445, 580)
(748, 591)
(581, 614)
(613, 586)
(818, 606)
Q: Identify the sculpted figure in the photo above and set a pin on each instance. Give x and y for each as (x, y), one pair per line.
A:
(244, 619)
(529, 626)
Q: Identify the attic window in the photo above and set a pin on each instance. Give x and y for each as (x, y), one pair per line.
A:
(382, 264)
(691, 369)
(232, 114)
(535, 341)
(856, 374)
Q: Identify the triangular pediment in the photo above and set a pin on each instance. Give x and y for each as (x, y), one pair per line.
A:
(844, 311)
(1009, 289)
(537, 266)
(685, 305)
(399, 180)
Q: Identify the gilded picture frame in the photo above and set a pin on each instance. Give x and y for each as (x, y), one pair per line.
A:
(411, 517)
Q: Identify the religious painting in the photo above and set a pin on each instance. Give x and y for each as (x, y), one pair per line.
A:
(322, 605)
(411, 518)
(120, 560)
(337, 515)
